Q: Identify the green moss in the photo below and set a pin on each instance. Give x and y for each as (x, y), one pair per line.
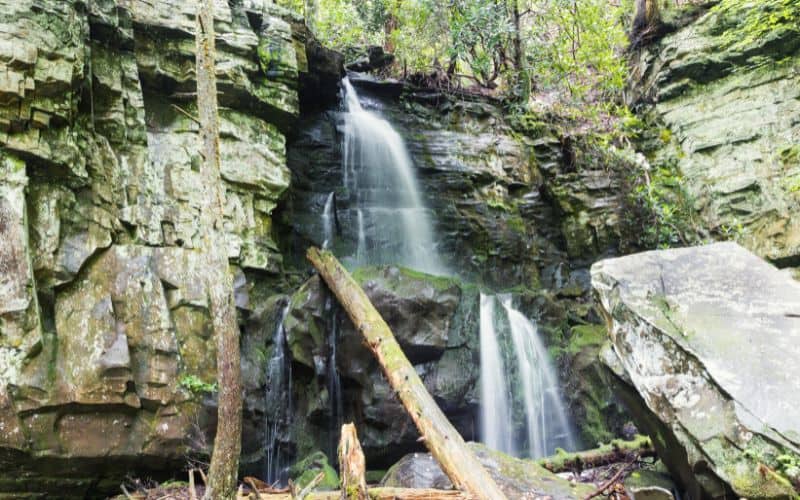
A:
(304, 471)
(195, 385)
(582, 336)
(375, 476)
(368, 273)
(743, 23)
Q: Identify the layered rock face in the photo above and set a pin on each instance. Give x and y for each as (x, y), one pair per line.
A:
(514, 197)
(704, 341)
(103, 309)
(726, 92)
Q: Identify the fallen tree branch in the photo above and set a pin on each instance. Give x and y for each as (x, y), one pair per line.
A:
(305, 492)
(444, 442)
(614, 452)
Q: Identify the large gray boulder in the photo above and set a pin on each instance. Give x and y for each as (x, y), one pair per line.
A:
(706, 340)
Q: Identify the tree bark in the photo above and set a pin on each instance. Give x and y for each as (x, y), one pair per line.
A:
(352, 467)
(224, 468)
(439, 436)
(646, 20)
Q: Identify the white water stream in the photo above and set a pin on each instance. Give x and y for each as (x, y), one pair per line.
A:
(540, 404)
(393, 223)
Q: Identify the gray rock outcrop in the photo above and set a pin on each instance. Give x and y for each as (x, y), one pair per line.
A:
(706, 340)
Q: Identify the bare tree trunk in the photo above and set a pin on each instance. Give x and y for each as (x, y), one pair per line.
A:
(390, 25)
(224, 469)
(444, 442)
(646, 19)
(311, 12)
(352, 467)
(520, 62)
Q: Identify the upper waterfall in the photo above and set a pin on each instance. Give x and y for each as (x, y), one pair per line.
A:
(393, 223)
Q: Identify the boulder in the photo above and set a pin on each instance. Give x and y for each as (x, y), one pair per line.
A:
(434, 320)
(516, 477)
(704, 341)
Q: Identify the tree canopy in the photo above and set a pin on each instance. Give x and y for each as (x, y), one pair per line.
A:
(506, 46)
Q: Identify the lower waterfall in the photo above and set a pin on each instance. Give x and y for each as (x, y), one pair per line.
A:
(521, 384)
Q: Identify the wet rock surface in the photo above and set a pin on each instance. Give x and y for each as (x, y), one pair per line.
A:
(705, 340)
(507, 207)
(434, 320)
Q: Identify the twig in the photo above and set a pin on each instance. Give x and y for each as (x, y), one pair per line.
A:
(125, 491)
(603, 487)
(192, 492)
(203, 475)
(186, 113)
(252, 484)
(310, 486)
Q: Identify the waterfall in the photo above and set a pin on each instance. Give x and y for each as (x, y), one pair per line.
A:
(328, 221)
(545, 420)
(335, 401)
(496, 423)
(393, 223)
(278, 396)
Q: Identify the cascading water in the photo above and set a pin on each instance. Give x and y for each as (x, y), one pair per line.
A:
(328, 220)
(335, 402)
(278, 398)
(546, 423)
(388, 224)
(496, 423)
(393, 224)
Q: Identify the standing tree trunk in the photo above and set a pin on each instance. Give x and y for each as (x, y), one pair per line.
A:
(311, 9)
(444, 442)
(646, 19)
(390, 24)
(224, 469)
(520, 64)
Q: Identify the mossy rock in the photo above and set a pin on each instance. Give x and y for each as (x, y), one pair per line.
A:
(304, 471)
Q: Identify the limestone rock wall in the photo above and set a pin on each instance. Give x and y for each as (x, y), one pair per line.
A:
(102, 304)
(725, 91)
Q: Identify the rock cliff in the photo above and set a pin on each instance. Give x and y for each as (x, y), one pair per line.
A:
(103, 316)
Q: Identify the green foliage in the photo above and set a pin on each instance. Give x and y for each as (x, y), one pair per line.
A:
(196, 385)
(660, 195)
(578, 46)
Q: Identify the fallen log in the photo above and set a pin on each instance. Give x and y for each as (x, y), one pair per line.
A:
(616, 451)
(444, 442)
(352, 467)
